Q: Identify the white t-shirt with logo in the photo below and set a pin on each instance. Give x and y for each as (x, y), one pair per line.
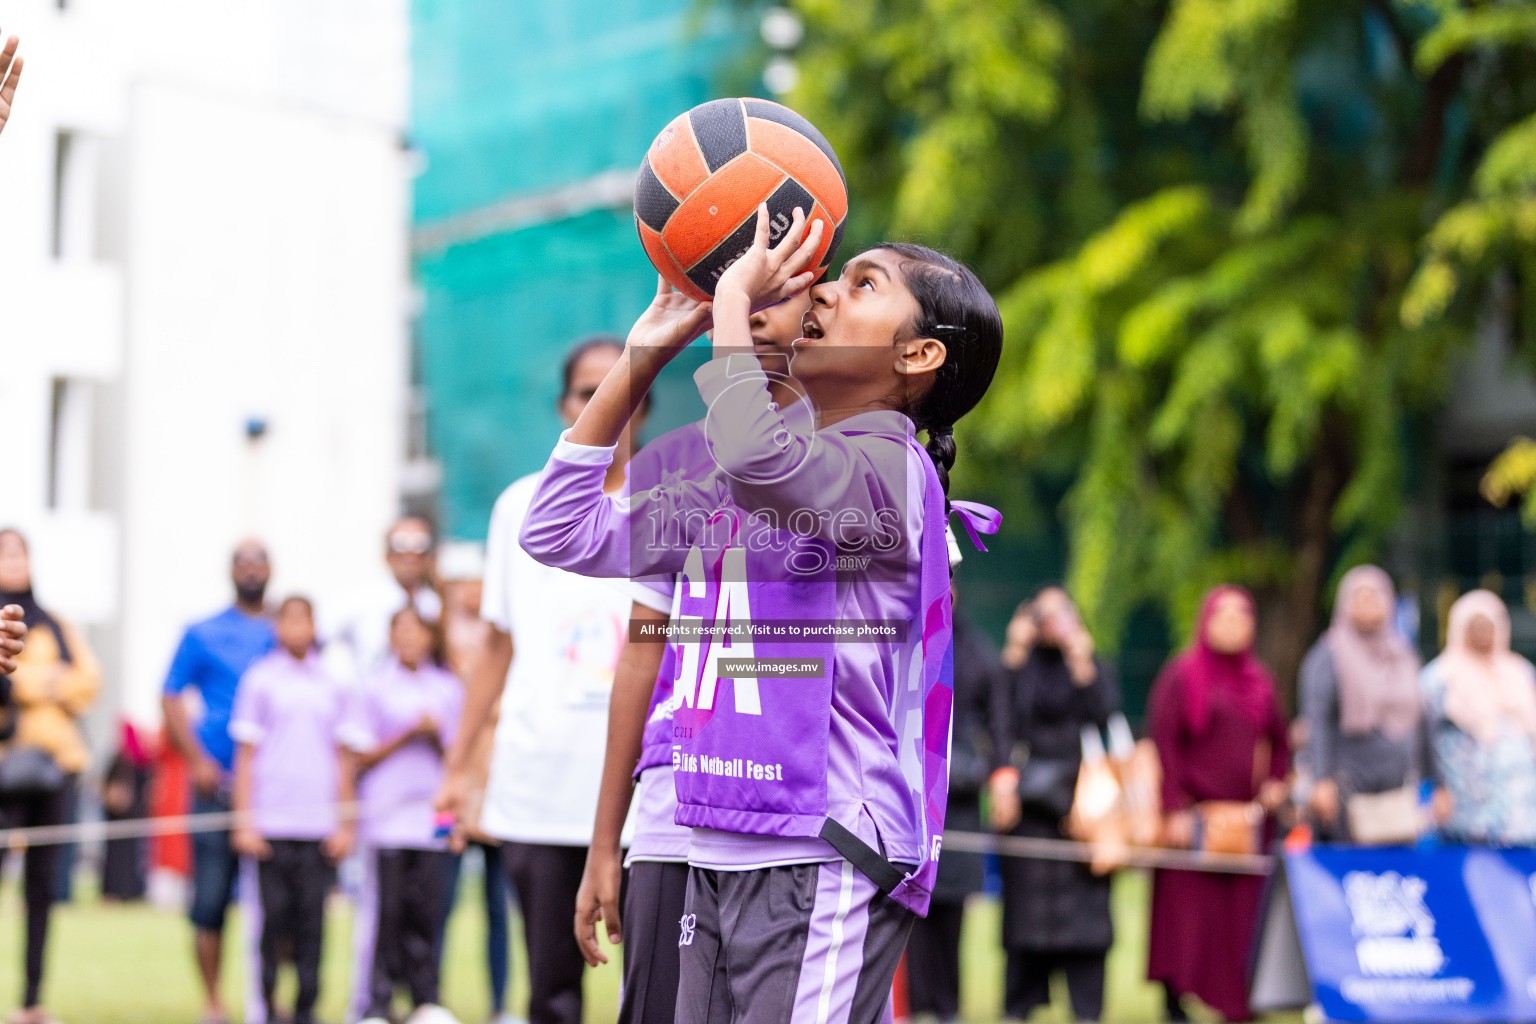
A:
(567, 632)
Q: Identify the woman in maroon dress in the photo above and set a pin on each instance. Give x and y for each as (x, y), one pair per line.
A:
(1221, 736)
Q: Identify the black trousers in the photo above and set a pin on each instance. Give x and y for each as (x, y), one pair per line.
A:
(294, 883)
(1028, 982)
(655, 894)
(405, 950)
(41, 867)
(933, 961)
(546, 879)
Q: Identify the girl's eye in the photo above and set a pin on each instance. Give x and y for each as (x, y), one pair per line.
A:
(866, 282)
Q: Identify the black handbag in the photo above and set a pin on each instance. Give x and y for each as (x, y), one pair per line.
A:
(29, 772)
(1047, 786)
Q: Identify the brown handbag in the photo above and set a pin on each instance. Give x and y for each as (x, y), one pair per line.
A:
(1141, 777)
(1235, 826)
(1228, 826)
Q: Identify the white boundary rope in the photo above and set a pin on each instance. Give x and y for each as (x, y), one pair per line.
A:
(176, 824)
(1117, 855)
(961, 842)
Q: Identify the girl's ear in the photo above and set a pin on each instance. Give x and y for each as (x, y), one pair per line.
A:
(920, 355)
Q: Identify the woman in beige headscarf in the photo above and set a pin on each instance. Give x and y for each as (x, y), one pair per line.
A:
(1480, 703)
(1360, 700)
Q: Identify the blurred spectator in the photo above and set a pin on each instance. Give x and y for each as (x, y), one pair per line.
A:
(461, 575)
(359, 650)
(460, 570)
(288, 769)
(1055, 913)
(364, 631)
(401, 720)
(56, 679)
(933, 949)
(1480, 701)
(211, 658)
(1221, 738)
(125, 796)
(9, 80)
(1360, 702)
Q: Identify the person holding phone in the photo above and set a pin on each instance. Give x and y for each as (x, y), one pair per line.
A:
(1055, 913)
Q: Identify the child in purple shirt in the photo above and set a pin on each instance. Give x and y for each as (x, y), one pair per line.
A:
(288, 779)
(400, 722)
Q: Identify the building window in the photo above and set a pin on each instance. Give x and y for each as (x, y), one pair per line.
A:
(69, 445)
(76, 157)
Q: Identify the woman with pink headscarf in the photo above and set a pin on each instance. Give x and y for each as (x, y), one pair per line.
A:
(1480, 702)
(1221, 737)
(1360, 700)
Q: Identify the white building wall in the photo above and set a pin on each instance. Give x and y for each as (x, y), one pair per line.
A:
(232, 236)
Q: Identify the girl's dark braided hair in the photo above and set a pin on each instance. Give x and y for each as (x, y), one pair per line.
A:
(955, 308)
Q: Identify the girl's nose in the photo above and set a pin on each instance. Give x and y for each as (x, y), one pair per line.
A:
(824, 294)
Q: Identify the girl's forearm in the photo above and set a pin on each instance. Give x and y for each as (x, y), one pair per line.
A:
(367, 759)
(733, 327)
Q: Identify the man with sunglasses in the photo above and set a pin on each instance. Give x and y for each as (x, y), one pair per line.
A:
(211, 658)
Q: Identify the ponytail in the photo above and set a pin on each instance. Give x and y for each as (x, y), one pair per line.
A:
(941, 449)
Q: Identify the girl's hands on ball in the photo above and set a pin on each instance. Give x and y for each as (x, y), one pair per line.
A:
(669, 323)
(760, 278)
(766, 275)
(8, 78)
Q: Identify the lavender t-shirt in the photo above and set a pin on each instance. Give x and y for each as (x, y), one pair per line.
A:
(396, 793)
(289, 710)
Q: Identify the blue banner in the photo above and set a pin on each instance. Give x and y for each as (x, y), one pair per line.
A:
(1398, 934)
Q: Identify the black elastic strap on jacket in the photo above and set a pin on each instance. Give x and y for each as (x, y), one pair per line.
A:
(855, 851)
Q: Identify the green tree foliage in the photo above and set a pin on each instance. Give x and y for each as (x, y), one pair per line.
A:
(1237, 245)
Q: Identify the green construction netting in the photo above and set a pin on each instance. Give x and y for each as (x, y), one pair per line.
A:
(516, 99)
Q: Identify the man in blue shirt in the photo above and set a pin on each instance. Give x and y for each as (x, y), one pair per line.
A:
(211, 658)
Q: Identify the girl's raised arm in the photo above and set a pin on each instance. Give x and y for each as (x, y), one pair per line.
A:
(669, 323)
(571, 524)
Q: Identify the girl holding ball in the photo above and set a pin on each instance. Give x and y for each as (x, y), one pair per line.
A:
(815, 789)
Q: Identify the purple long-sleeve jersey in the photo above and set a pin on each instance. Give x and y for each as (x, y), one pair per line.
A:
(857, 490)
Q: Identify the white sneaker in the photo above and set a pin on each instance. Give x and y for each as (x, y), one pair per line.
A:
(373, 1020)
(431, 1014)
(507, 1018)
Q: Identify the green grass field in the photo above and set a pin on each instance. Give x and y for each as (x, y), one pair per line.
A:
(132, 965)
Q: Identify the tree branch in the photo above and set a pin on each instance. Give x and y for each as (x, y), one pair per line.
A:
(1424, 153)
